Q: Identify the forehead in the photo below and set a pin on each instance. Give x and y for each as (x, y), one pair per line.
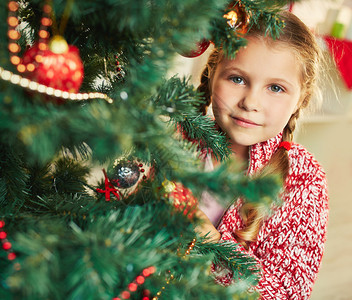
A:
(267, 58)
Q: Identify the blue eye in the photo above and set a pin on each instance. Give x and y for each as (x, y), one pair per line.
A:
(237, 80)
(276, 88)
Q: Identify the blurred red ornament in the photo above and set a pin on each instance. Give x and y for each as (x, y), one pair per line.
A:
(58, 66)
(201, 47)
(132, 287)
(125, 295)
(7, 245)
(140, 279)
(11, 256)
(238, 18)
(181, 198)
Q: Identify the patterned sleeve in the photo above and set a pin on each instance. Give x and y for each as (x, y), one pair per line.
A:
(291, 252)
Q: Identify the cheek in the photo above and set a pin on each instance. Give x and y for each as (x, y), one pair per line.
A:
(220, 112)
(218, 103)
(223, 98)
(279, 115)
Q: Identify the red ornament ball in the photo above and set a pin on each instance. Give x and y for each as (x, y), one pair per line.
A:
(58, 66)
(201, 47)
(181, 198)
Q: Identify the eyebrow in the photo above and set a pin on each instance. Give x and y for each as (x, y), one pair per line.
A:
(232, 68)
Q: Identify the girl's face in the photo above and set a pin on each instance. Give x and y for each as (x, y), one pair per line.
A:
(255, 94)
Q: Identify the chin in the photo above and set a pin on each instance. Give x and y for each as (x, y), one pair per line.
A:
(244, 141)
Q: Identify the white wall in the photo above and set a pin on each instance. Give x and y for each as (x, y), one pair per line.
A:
(328, 136)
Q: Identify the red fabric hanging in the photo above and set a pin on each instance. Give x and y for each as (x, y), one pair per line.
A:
(341, 51)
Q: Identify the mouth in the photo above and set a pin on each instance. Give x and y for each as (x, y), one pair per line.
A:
(244, 122)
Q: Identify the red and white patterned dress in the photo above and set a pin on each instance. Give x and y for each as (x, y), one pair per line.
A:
(290, 243)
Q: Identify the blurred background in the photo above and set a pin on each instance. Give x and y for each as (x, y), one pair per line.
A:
(326, 132)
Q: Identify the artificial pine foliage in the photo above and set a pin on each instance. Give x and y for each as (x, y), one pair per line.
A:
(60, 238)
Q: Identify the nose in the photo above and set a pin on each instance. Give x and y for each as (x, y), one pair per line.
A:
(250, 100)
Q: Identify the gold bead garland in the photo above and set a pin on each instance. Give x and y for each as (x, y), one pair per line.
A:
(187, 252)
(190, 247)
(43, 89)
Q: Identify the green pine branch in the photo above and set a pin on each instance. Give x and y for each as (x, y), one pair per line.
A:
(70, 242)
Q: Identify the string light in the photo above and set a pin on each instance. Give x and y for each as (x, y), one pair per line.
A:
(6, 245)
(42, 89)
(133, 286)
(14, 36)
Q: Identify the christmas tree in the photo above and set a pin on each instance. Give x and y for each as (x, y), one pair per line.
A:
(84, 87)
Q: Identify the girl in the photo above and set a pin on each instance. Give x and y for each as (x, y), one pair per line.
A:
(256, 99)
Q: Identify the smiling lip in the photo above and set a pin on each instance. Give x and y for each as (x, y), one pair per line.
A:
(244, 122)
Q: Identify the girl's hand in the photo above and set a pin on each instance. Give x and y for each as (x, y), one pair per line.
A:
(206, 226)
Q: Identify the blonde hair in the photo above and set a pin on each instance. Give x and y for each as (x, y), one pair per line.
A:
(298, 38)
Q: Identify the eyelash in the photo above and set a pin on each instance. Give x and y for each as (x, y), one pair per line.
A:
(281, 89)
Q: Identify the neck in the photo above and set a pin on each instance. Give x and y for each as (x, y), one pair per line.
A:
(239, 153)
